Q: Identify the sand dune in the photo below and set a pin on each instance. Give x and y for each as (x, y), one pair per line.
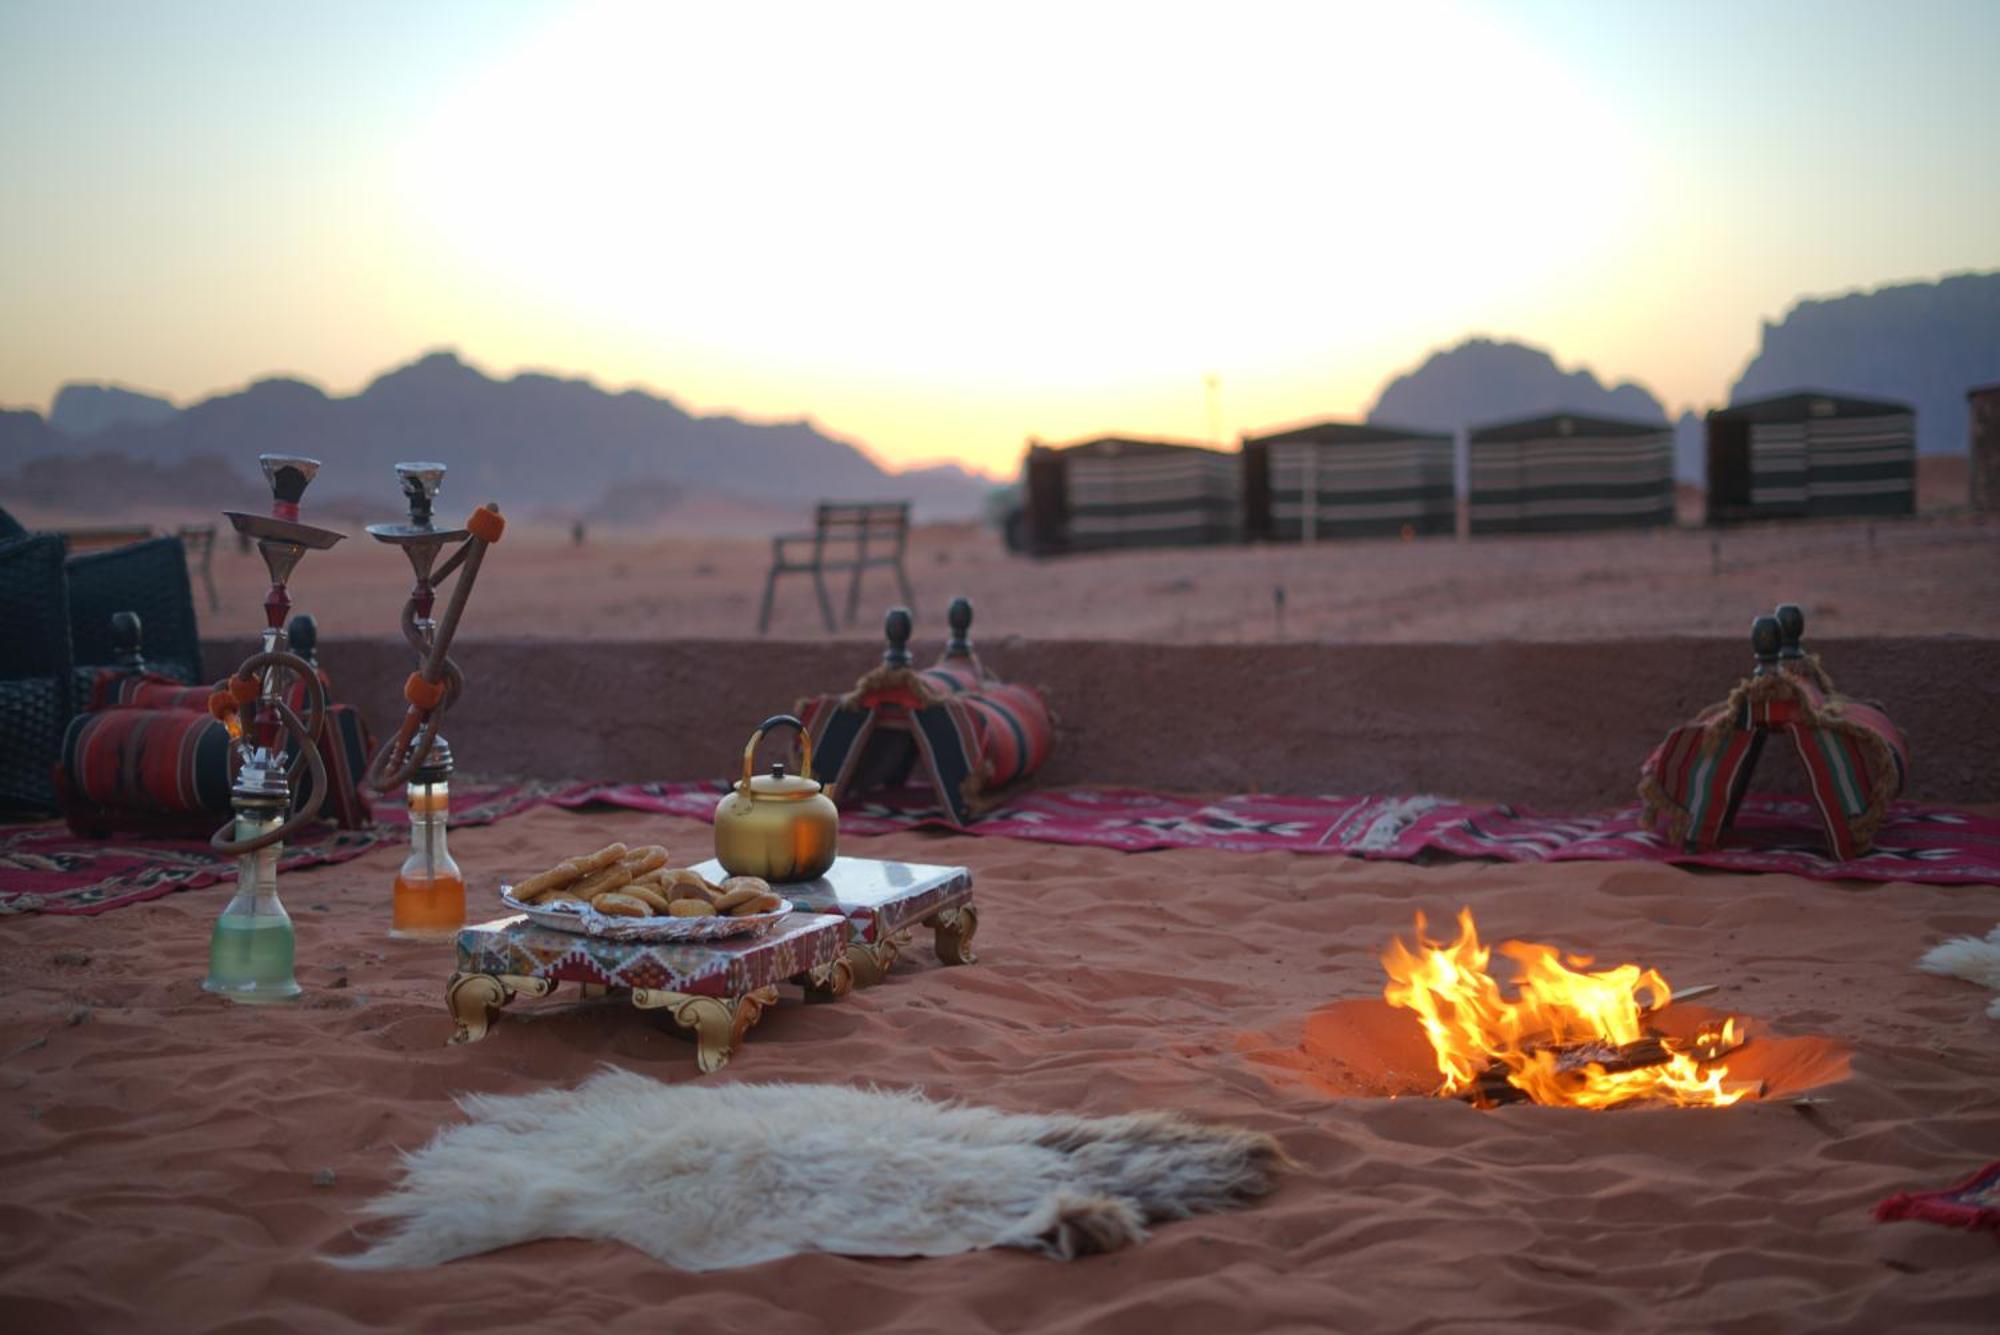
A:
(160, 1167)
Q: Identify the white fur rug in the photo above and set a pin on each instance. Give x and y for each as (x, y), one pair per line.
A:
(705, 1177)
(1969, 957)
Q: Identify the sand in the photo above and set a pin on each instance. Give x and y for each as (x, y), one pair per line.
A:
(160, 1163)
(1933, 574)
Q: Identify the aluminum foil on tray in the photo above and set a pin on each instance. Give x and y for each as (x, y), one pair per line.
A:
(574, 915)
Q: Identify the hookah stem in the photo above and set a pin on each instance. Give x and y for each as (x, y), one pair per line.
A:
(433, 667)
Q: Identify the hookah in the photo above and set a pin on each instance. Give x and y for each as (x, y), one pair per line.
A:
(250, 953)
(429, 895)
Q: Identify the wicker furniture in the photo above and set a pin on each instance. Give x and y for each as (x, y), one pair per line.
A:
(37, 694)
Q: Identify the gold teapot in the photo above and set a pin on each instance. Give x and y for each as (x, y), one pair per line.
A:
(782, 827)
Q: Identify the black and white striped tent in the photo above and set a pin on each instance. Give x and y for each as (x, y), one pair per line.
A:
(1566, 472)
(1116, 491)
(1809, 455)
(1347, 480)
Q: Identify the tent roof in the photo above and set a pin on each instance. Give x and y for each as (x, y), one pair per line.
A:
(1113, 445)
(1334, 432)
(1578, 424)
(1806, 403)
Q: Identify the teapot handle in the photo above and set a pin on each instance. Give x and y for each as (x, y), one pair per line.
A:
(779, 721)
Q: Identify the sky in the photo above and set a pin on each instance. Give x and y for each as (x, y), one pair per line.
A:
(939, 230)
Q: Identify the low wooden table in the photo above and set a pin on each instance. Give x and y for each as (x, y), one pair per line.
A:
(715, 989)
(882, 902)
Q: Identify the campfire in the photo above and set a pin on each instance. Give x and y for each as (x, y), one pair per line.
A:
(1570, 1036)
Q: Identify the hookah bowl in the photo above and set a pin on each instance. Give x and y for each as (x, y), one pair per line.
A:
(251, 951)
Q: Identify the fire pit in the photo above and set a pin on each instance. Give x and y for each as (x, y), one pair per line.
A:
(1550, 1029)
(1570, 1036)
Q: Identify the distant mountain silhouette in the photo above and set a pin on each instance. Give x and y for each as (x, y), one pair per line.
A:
(84, 409)
(1923, 343)
(1482, 381)
(530, 442)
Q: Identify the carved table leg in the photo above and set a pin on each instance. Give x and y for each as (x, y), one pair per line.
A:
(718, 1023)
(953, 929)
(475, 998)
(827, 982)
(869, 961)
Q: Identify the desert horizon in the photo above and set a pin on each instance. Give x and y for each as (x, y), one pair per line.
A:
(1468, 799)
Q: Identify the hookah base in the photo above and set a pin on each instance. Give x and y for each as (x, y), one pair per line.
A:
(252, 995)
(250, 959)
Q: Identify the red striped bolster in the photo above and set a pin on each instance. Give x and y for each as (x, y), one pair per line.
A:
(1014, 729)
(1837, 782)
(1877, 722)
(954, 676)
(149, 760)
(1710, 783)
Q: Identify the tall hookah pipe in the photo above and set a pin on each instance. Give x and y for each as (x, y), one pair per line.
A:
(260, 681)
(437, 683)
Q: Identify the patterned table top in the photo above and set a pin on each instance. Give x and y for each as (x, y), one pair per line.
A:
(877, 898)
(728, 968)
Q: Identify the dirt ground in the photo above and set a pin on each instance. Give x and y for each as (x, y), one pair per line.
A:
(1938, 573)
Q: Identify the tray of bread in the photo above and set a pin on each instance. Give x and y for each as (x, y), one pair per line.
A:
(631, 894)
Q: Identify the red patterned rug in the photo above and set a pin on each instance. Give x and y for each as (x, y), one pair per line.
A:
(1973, 1203)
(46, 869)
(43, 868)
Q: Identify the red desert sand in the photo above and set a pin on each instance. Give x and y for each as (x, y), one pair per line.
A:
(176, 1164)
(1928, 575)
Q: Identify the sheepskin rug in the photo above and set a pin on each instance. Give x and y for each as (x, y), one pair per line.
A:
(706, 1177)
(1969, 957)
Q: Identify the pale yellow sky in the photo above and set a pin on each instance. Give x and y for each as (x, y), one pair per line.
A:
(938, 230)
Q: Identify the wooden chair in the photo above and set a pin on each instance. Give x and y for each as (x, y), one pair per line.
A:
(847, 535)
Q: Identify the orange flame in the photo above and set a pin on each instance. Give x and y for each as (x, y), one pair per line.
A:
(1543, 1038)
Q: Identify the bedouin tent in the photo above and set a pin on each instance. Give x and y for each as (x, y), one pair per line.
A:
(1982, 404)
(1566, 472)
(1347, 480)
(1811, 455)
(1119, 492)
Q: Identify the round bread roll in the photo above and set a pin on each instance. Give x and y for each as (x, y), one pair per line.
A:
(741, 890)
(617, 905)
(764, 903)
(648, 894)
(691, 908)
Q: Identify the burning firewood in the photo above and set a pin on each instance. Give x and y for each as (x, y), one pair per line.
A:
(1570, 1035)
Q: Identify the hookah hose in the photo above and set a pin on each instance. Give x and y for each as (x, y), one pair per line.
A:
(243, 689)
(434, 687)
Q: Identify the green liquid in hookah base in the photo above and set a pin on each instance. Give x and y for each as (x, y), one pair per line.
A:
(250, 958)
(250, 952)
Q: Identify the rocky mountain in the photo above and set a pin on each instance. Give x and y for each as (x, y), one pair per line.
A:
(532, 442)
(85, 409)
(1482, 381)
(1922, 343)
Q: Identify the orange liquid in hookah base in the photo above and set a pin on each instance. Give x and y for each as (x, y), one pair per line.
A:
(428, 906)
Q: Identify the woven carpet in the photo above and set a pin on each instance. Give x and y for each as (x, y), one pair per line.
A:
(44, 868)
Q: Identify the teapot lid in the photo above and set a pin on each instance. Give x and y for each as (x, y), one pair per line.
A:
(782, 785)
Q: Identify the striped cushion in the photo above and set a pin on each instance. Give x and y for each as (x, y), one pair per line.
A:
(160, 770)
(950, 728)
(111, 686)
(1854, 757)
